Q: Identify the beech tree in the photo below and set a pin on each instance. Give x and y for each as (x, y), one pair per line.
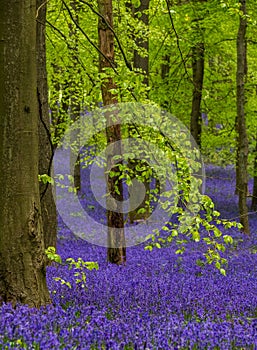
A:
(22, 258)
(75, 86)
(198, 74)
(242, 139)
(141, 61)
(115, 220)
(254, 198)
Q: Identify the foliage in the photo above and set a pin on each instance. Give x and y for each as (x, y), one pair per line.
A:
(169, 158)
(172, 33)
(78, 267)
(44, 178)
(52, 256)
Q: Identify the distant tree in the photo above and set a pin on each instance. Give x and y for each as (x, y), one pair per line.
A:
(141, 62)
(141, 53)
(74, 85)
(22, 257)
(254, 198)
(242, 139)
(46, 148)
(115, 220)
(198, 74)
(198, 49)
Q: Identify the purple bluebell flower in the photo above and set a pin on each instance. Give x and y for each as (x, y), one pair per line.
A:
(154, 302)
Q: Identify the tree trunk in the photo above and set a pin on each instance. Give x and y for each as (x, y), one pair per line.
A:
(46, 149)
(116, 239)
(140, 61)
(165, 69)
(74, 89)
(22, 258)
(198, 75)
(242, 139)
(254, 198)
(142, 212)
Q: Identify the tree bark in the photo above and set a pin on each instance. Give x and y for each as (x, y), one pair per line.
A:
(198, 75)
(74, 89)
(254, 197)
(140, 61)
(242, 139)
(116, 239)
(142, 212)
(22, 258)
(46, 149)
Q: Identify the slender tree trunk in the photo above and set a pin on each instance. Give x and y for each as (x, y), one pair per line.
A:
(140, 61)
(54, 103)
(198, 75)
(22, 258)
(46, 149)
(59, 105)
(142, 212)
(74, 89)
(165, 68)
(242, 139)
(116, 239)
(254, 198)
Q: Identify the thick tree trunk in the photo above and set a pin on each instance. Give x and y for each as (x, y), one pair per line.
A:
(198, 75)
(46, 150)
(242, 140)
(116, 239)
(22, 258)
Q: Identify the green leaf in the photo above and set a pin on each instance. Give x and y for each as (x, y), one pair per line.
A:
(180, 251)
(217, 264)
(228, 239)
(196, 236)
(150, 236)
(91, 265)
(223, 272)
(45, 179)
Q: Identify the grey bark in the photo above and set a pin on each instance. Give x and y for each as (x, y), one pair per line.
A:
(22, 258)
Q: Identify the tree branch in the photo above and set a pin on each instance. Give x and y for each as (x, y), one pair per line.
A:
(87, 37)
(177, 39)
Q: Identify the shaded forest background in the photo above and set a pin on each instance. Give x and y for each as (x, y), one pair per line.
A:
(195, 59)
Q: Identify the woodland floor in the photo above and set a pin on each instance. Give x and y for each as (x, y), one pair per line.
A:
(156, 301)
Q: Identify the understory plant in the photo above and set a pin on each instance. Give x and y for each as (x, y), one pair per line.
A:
(78, 266)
